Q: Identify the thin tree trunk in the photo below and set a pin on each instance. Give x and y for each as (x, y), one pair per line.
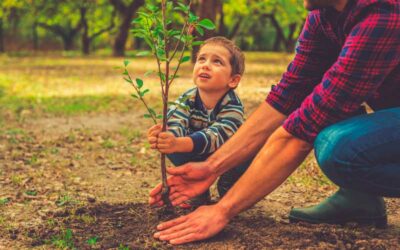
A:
(85, 33)
(35, 37)
(206, 9)
(68, 42)
(127, 13)
(280, 38)
(291, 41)
(1, 36)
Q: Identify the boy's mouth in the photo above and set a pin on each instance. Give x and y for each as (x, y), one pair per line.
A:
(204, 76)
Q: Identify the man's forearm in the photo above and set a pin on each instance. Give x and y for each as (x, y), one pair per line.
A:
(248, 140)
(280, 156)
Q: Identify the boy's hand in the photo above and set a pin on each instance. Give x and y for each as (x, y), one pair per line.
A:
(152, 135)
(167, 143)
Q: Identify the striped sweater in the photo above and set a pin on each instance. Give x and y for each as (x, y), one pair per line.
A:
(208, 130)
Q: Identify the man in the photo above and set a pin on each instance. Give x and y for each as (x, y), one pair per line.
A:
(348, 54)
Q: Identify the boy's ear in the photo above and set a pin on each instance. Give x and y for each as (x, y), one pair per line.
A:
(235, 81)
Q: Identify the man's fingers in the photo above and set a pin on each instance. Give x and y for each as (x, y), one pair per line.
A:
(179, 200)
(178, 233)
(174, 229)
(171, 223)
(156, 190)
(178, 171)
(185, 239)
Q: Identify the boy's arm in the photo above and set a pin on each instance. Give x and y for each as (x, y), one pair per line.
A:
(208, 140)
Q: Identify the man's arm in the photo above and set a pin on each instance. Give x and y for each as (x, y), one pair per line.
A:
(193, 179)
(280, 156)
(247, 141)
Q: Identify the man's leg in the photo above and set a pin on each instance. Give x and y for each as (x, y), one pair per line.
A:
(362, 156)
(179, 159)
(228, 179)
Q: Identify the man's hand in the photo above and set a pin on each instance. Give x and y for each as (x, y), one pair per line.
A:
(203, 223)
(187, 181)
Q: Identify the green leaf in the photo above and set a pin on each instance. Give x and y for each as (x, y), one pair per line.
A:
(162, 76)
(92, 241)
(182, 7)
(180, 38)
(152, 112)
(4, 201)
(137, 20)
(143, 14)
(192, 18)
(144, 92)
(174, 77)
(128, 80)
(125, 72)
(126, 62)
(207, 24)
(200, 30)
(147, 116)
(197, 43)
(159, 116)
(185, 59)
(144, 53)
(134, 96)
(149, 72)
(151, 7)
(139, 82)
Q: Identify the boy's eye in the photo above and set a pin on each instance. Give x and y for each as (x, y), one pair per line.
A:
(200, 59)
(217, 61)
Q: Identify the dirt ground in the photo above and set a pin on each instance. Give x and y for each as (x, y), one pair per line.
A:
(82, 182)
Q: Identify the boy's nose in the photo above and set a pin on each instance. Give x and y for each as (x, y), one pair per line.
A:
(205, 65)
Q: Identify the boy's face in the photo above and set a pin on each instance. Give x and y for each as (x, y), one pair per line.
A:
(212, 70)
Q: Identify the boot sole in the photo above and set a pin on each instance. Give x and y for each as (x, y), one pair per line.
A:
(378, 222)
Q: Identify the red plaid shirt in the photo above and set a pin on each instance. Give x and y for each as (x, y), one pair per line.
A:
(342, 60)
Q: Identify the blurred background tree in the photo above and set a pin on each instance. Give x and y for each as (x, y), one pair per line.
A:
(48, 25)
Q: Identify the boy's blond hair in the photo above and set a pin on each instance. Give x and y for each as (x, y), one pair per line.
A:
(237, 56)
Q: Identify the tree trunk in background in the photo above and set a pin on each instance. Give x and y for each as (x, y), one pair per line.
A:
(291, 40)
(280, 37)
(1, 36)
(127, 13)
(85, 34)
(68, 42)
(222, 29)
(206, 9)
(67, 34)
(35, 37)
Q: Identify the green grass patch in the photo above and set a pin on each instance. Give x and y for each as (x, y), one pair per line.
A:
(64, 240)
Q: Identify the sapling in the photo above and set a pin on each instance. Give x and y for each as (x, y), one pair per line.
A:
(167, 43)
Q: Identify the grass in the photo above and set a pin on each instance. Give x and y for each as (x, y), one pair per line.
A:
(69, 85)
(64, 240)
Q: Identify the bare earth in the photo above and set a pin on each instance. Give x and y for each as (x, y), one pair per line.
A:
(90, 176)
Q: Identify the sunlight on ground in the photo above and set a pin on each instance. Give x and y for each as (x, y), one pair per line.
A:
(43, 77)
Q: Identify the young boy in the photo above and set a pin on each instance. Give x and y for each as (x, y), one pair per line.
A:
(215, 112)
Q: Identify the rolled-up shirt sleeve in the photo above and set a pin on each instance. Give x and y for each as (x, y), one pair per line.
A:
(370, 53)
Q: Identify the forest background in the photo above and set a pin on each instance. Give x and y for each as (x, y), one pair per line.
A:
(102, 26)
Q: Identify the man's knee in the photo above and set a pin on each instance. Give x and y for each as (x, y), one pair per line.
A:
(331, 151)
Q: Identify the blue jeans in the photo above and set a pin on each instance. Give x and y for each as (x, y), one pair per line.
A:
(225, 182)
(363, 153)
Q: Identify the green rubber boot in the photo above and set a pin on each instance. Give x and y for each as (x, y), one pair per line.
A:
(342, 207)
